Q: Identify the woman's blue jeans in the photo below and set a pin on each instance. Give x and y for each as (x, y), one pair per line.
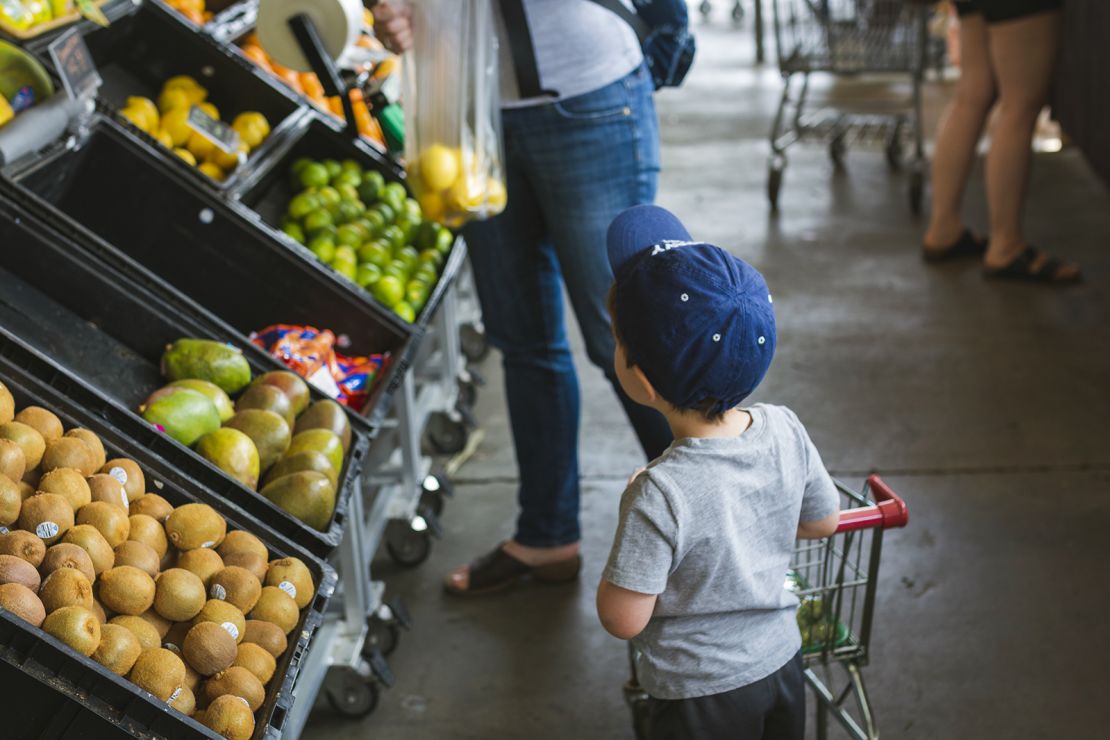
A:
(572, 167)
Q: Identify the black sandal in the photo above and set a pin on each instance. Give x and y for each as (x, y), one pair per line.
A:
(1021, 268)
(968, 245)
(497, 570)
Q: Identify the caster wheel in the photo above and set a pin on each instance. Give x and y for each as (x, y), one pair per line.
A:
(894, 147)
(381, 636)
(350, 694)
(473, 343)
(837, 149)
(445, 435)
(437, 489)
(432, 502)
(774, 184)
(407, 546)
(917, 189)
(468, 394)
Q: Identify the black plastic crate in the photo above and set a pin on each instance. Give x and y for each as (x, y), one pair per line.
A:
(206, 248)
(55, 692)
(267, 191)
(110, 330)
(139, 51)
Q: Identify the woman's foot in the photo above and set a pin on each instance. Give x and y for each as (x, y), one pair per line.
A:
(509, 562)
(1029, 264)
(966, 244)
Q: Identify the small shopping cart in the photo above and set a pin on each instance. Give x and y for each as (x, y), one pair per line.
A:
(868, 40)
(835, 580)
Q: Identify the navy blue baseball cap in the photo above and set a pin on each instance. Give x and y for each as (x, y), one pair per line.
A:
(698, 321)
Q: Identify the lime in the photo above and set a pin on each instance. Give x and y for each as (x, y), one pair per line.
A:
(412, 209)
(393, 236)
(318, 219)
(294, 231)
(426, 235)
(387, 213)
(374, 220)
(303, 204)
(348, 235)
(389, 290)
(367, 274)
(299, 164)
(346, 191)
(409, 226)
(333, 168)
(444, 240)
(363, 230)
(371, 187)
(416, 293)
(375, 253)
(352, 179)
(394, 195)
(350, 165)
(397, 269)
(324, 248)
(313, 175)
(425, 274)
(408, 256)
(431, 257)
(328, 231)
(345, 262)
(405, 311)
(349, 210)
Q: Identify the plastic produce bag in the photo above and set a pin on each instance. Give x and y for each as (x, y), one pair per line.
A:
(453, 111)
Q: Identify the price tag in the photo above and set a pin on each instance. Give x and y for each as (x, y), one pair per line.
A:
(75, 64)
(218, 132)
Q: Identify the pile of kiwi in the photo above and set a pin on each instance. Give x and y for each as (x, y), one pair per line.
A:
(166, 596)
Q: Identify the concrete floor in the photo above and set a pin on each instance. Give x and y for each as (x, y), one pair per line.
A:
(982, 404)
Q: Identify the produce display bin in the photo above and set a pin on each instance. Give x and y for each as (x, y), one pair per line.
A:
(137, 53)
(267, 191)
(55, 692)
(110, 329)
(207, 248)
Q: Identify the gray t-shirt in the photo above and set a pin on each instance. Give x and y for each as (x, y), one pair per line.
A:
(580, 47)
(710, 527)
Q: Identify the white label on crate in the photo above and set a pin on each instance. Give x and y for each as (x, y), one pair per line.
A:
(219, 592)
(288, 588)
(208, 544)
(173, 697)
(119, 474)
(231, 629)
(46, 530)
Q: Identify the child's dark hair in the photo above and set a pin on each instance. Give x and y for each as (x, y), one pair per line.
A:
(704, 408)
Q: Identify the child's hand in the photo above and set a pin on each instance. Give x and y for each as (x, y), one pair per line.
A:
(632, 477)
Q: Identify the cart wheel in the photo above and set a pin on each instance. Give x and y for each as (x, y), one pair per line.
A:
(468, 393)
(737, 12)
(705, 8)
(381, 635)
(837, 149)
(774, 183)
(917, 188)
(445, 435)
(473, 343)
(408, 547)
(894, 152)
(433, 502)
(350, 694)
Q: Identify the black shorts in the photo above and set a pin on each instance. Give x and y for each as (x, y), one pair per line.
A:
(996, 11)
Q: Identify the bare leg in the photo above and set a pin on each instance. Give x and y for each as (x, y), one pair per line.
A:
(959, 133)
(1022, 54)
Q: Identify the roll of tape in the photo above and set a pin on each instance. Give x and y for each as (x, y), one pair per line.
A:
(338, 22)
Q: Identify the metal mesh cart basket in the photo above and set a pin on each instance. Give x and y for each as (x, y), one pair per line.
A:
(868, 40)
(835, 580)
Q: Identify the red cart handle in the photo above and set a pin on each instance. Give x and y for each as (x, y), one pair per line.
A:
(889, 510)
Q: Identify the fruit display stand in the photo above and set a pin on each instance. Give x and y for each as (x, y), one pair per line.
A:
(56, 692)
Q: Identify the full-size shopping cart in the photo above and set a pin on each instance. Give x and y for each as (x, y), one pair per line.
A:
(884, 40)
(835, 580)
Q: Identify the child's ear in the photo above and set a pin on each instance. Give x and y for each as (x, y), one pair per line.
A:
(645, 384)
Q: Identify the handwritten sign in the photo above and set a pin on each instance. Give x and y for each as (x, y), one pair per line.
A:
(219, 133)
(75, 65)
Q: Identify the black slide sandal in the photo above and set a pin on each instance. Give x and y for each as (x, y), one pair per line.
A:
(1021, 268)
(968, 245)
(497, 570)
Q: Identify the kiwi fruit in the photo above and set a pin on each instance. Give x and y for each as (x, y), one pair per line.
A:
(23, 545)
(293, 577)
(203, 562)
(76, 626)
(275, 605)
(42, 421)
(251, 561)
(66, 587)
(174, 637)
(11, 501)
(68, 452)
(98, 610)
(229, 716)
(17, 570)
(159, 671)
(209, 648)
(257, 660)
(26, 490)
(237, 681)
(192, 678)
(157, 621)
(128, 473)
(146, 529)
(266, 635)
(94, 444)
(28, 439)
(12, 462)
(182, 700)
(195, 525)
(225, 615)
(152, 505)
(239, 540)
(126, 590)
(48, 515)
(107, 488)
(69, 483)
(89, 539)
(237, 586)
(138, 555)
(67, 555)
(7, 405)
(108, 519)
(118, 649)
(144, 631)
(22, 602)
(179, 595)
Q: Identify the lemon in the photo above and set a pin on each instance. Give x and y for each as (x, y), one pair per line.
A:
(145, 104)
(439, 167)
(467, 194)
(173, 99)
(252, 127)
(212, 171)
(199, 146)
(210, 110)
(228, 162)
(137, 117)
(496, 197)
(175, 123)
(163, 138)
(197, 94)
(432, 205)
(16, 15)
(186, 155)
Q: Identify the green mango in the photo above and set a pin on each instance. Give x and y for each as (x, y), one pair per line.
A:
(307, 495)
(214, 393)
(203, 359)
(233, 452)
(269, 432)
(301, 461)
(324, 441)
(184, 414)
(326, 414)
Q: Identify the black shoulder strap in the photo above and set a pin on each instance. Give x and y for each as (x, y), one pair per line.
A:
(523, 51)
(639, 25)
